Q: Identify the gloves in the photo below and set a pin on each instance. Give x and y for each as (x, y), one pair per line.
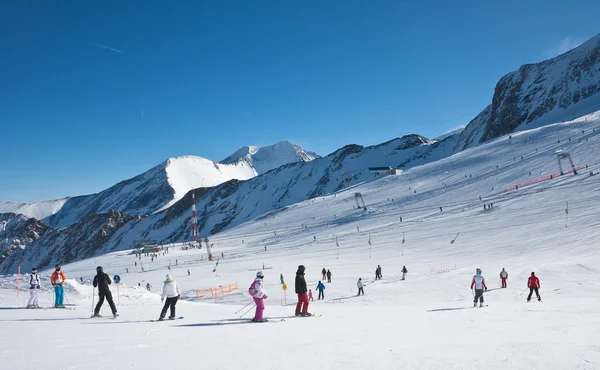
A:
(162, 300)
(486, 289)
(265, 296)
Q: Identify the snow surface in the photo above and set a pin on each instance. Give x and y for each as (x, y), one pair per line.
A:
(38, 210)
(425, 322)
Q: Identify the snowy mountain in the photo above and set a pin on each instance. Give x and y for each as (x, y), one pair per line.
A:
(39, 210)
(264, 159)
(17, 232)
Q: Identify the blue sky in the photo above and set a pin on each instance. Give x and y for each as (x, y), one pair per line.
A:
(92, 93)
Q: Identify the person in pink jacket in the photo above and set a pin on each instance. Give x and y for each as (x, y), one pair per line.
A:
(258, 294)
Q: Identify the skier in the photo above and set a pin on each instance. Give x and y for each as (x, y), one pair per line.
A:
(189, 272)
(81, 279)
(148, 286)
(321, 288)
(328, 276)
(34, 286)
(503, 277)
(301, 290)
(58, 280)
(281, 278)
(378, 273)
(360, 286)
(324, 273)
(479, 284)
(404, 272)
(533, 283)
(102, 281)
(310, 295)
(258, 294)
(171, 292)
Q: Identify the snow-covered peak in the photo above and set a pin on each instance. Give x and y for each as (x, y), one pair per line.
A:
(38, 210)
(264, 159)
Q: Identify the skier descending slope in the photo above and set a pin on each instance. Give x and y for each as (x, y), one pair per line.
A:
(102, 281)
(479, 284)
(58, 280)
(533, 283)
(171, 292)
(34, 286)
(301, 290)
(259, 296)
(503, 277)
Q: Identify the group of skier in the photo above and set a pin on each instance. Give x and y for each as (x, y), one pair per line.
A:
(478, 282)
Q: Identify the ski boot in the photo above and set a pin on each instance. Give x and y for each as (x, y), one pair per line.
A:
(475, 304)
(307, 314)
(298, 314)
(162, 318)
(115, 315)
(172, 317)
(96, 315)
(481, 304)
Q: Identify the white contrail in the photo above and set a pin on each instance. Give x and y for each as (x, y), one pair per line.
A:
(106, 47)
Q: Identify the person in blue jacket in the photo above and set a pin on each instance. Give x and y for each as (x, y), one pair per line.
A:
(321, 288)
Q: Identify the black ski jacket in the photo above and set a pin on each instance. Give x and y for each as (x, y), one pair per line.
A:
(300, 283)
(102, 281)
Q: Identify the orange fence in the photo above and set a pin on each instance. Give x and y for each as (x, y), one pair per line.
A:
(545, 178)
(214, 292)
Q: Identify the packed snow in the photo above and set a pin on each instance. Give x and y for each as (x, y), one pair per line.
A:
(429, 219)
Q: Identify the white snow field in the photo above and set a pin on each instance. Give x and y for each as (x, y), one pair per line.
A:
(424, 322)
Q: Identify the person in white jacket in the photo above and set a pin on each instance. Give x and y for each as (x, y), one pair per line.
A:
(171, 292)
(34, 287)
(258, 294)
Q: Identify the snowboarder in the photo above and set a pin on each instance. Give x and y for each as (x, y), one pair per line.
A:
(533, 283)
(324, 273)
(58, 279)
(321, 288)
(503, 277)
(34, 287)
(148, 286)
(378, 273)
(329, 276)
(479, 284)
(171, 292)
(360, 286)
(310, 295)
(404, 272)
(258, 294)
(102, 281)
(301, 291)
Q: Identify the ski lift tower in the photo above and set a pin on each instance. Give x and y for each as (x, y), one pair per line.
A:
(562, 155)
(360, 202)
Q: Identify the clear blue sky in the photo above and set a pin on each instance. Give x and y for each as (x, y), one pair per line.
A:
(207, 77)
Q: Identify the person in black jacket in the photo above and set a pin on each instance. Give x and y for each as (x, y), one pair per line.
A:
(301, 290)
(102, 281)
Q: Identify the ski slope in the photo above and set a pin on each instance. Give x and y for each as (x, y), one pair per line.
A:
(424, 322)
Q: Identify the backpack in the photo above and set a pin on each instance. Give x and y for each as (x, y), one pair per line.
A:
(252, 289)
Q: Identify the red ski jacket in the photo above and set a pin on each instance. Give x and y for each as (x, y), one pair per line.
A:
(533, 282)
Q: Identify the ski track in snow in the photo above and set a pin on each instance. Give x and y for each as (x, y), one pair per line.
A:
(424, 322)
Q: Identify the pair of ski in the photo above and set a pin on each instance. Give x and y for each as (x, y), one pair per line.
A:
(281, 319)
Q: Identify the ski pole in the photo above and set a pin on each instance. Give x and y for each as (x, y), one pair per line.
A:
(244, 314)
(236, 312)
(93, 296)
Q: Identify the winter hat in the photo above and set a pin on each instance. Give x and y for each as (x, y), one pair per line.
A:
(260, 275)
(33, 270)
(99, 269)
(532, 273)
(169, 278)
(478, 271)
(301, 268)
(57, 267)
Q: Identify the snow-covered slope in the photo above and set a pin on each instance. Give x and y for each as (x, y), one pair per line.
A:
(264, 159)
(153, 190)
(38, 210)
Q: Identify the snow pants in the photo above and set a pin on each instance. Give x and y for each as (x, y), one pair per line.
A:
(361, 290)
(59, 295)
(321, 294)
(403, 275)
(503, 283)
(108, 297)
(302, 305)
(537, 293)
(33, 299)
(329, 278)
(478, 295)
(260, 308)
(169, 303)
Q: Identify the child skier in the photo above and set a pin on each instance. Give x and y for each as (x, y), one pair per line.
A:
(34, 286)
(171, 292)
(360, 286)
(58, 280)
(310, 296)
(533, 283)
(102, 281)
(479, 284)
(259, 296)
(404, 272)
(503, 277)
(321, 288)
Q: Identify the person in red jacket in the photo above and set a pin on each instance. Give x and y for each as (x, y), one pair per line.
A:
(533, 283)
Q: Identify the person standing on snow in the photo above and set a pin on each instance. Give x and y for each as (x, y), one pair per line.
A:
(378, 273)
(404, 272)
(479, 284)
(360, 286)
(310, 296)
(34, 287)
(321, 288)
(102, 281)
(171, 292)
(324, 273)
(329, 276)
(503, 277)
(301, 290)
(259, 296)
(533, 283)
(58, 279)
(148, 286)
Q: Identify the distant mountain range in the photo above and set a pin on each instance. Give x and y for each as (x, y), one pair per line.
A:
(254, 181)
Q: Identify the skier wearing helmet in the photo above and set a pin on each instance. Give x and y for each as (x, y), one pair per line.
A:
(301, 290)
(479, 284)
(102, 281)
(258, 294)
